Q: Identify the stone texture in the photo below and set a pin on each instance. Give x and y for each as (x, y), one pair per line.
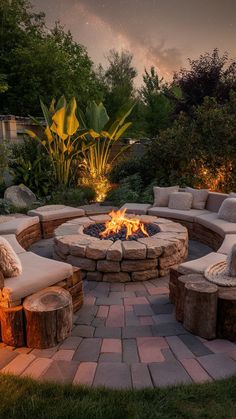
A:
(111, 345)
(98, 249)
(60, 372)
(138, 265)
(83, 263)
(18, 364)
(168, 373)
(144, 275)
(130, 351)
(20, 196)
(108, 266)
(150, 349)
(88, 350)
(154, 246)
(115, 251)
(116, 277)
(94, 276)
(113, 375)
(141, 376)
(85, 373)
(133, 250)
(218, 365)
(196, 372)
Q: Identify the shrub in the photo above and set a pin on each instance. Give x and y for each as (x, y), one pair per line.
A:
(73, 196)
(129, 190)
(32, 167)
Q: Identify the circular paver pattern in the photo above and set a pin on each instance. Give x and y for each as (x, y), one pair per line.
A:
(121, 261)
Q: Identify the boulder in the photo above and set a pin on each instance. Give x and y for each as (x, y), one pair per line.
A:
(20, 196)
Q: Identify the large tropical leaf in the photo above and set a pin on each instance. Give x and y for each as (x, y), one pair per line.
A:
(97, 116)
(46, 114)
(113, 125)
(71, 122)
(59, 123)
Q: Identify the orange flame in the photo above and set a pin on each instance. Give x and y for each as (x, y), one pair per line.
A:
(119, 220)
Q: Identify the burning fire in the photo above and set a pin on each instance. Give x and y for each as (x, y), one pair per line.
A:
(119, 220)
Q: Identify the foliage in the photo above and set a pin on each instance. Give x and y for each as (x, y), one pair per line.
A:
(61, 138)
(4, 158)
(40, 62)
(199, 150)
(3, 83)
(72, 196)
(31, 166)
(105, 132)
(211, 75)
(158, 106)
(130, 166)
(117, 80)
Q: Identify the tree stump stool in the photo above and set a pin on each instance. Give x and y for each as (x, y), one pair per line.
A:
(181, 290)
(12, 326)
(174, 275)
(200, 309)
(48, 315)
(226, 322)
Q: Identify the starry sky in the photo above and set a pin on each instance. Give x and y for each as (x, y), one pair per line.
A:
(163, 33)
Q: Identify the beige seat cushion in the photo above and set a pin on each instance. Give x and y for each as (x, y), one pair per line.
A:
(199, 197)
(38, 273)
(10, 264)
(55, 212)
(180, 201)
(176, 214)
(227, 210)
(229, 241)
(201, 264)
(11, 238)
(133, 208)
(214, 223)
(161, 195)
(214, 201)
(18, 225)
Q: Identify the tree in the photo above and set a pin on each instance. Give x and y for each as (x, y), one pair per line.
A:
(39, 62)
(199, 149)
(158, 107)
(211, 75)
(118, 80)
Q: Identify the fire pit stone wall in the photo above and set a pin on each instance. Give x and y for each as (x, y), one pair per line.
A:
(121, 261)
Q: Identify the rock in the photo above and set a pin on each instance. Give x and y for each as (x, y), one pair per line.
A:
(20, 196)
(134, 250)
(138, 265)
(108, 266)
(116, 277)
(102, 218)
(144, 275)
(154, 246)
(94, 276)
(98, 249)
(115, 251)
(82, 263)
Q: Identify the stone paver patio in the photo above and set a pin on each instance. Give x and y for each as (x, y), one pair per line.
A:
(125, 336)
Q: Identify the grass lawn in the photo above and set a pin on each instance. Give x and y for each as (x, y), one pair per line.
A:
(25, 398)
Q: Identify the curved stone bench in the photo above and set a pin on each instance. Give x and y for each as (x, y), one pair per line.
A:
(51, 216)
(26, 229)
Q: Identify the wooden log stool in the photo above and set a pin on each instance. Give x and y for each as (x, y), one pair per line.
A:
(200, 309)
(48, 315)
(226, 322)
(12, 326)
(174, 275)
(180, 292)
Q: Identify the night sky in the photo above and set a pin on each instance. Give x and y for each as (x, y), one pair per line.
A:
(163, 33)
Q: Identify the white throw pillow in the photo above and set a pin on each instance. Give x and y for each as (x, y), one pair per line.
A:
(161, 195)
(227, 210)
(180, 201)
(199, 197)
(232, 195)
(10, 264)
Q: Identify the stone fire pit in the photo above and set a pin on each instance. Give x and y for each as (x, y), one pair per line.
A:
(121, 261)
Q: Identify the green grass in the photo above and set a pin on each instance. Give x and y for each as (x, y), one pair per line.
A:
(25, 398)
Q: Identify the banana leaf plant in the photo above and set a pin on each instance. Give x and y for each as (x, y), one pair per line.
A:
(104, 132)
(61, 136)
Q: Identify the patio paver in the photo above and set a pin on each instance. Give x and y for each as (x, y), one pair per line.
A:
(125, 336)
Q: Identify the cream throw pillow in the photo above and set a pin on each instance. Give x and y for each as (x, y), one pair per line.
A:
(10, 264)
(227, 210)
(199, 197)
(161, 195)
(180, 200)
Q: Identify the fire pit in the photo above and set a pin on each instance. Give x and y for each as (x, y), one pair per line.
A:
(120, 247)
